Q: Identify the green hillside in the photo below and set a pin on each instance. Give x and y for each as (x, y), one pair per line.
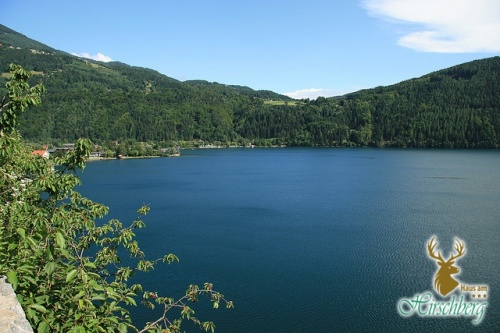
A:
(456, 107)
(11, 38)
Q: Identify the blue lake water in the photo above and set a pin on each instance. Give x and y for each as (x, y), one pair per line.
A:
(312, 240)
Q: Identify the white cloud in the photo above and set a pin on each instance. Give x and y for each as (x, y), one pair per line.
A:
(313, 93)
(99, 56)
(446, 26)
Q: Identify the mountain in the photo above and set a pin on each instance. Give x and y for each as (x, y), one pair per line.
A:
(262, 94)
(11, 38)
(455, 107)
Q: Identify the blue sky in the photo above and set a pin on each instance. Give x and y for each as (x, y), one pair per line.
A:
(300, 48)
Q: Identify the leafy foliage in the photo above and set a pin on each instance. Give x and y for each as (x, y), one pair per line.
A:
(21, 96)
(67, 270)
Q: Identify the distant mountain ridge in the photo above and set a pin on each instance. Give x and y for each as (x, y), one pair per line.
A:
(457, 107)
(11, 38)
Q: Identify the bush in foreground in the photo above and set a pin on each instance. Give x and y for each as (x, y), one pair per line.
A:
(65, 268)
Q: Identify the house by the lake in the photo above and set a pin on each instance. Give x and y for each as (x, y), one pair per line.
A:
(97, 155)
(41, 152)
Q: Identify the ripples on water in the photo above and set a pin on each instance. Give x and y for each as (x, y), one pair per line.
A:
(312, 240)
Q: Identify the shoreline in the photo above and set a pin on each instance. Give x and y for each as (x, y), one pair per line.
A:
(127, 158)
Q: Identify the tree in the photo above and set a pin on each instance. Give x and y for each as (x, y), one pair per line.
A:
(65, 268)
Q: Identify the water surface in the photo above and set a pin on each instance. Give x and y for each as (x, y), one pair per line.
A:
(312, 240)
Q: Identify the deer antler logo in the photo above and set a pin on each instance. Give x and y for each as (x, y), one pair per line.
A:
(443, 282)
(466, 300)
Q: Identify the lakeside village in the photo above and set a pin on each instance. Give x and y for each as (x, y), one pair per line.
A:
(132, 149)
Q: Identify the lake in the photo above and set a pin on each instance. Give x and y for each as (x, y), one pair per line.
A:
(312, 240)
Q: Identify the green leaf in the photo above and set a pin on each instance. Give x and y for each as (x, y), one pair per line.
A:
(138, 224)
(50, 267)
(38, 307)
(99, 298)
(43, 327)
(21, 232)
(209, 326)
(130, 300)
(48, 253)
(60, 240)
(122, 328)
(32, 242)
(71, 275)
(84, 277)
(79, 295)
(90, 264)
(143, 210)
(170, 258)
(12, 277)
(78, 329)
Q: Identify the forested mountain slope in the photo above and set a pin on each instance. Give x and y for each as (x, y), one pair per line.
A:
(455, 107)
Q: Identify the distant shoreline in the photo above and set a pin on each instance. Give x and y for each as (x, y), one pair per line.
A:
(127, 158)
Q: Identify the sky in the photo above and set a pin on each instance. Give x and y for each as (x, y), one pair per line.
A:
(301, 48)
